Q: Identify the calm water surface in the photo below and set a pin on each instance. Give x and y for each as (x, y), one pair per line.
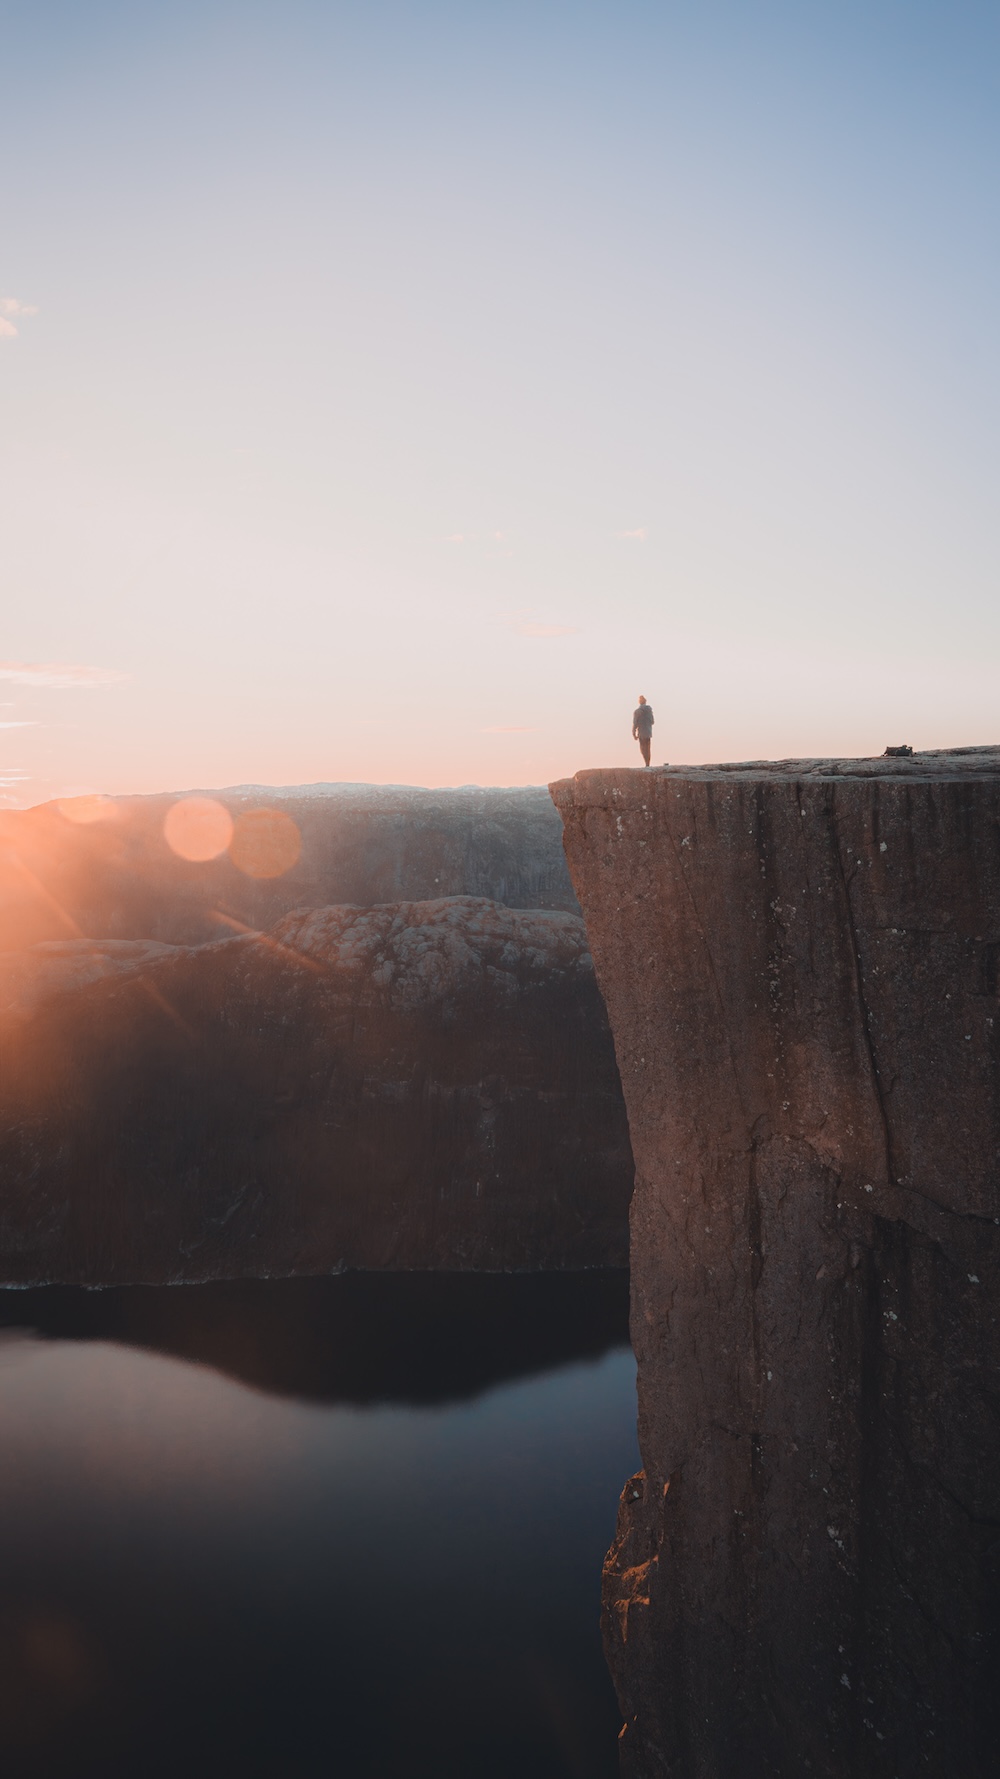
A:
(325, 1527)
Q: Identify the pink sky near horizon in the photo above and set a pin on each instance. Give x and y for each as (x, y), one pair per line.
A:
(84, 722)
(393, 394)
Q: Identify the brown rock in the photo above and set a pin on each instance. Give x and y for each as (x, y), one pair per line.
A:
(418, 1085)
(800, 963)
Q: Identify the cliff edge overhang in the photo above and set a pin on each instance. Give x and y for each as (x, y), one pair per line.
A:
(800, 961)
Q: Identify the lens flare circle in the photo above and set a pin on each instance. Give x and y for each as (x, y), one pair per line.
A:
(198, 829)
(265, 843)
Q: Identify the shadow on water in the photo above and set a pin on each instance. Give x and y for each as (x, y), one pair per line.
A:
(379, 1561)
(418, 1338)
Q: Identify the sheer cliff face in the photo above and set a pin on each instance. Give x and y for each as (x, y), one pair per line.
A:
(418, 1085)
(800, 963)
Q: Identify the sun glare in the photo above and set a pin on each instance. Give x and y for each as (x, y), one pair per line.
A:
(261, 842)
(84, 810)
(198, 828)
(265, 843)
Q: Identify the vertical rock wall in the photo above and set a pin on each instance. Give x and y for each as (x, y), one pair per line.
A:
(800, 962)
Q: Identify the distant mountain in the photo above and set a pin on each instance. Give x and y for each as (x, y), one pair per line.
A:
(361, 844)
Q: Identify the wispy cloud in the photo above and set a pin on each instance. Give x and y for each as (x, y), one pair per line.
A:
(638, 536)
(13, 306)
(61, 674)
(546, 629)
(509, 729)
(24, 724)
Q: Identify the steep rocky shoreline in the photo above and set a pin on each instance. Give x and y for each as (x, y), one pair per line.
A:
(418, 1085)
(800, 963)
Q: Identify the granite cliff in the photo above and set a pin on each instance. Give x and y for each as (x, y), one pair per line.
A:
(426, 1084)
(801, 962)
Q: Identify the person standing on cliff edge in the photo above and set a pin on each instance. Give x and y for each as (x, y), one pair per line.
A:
(642, 727)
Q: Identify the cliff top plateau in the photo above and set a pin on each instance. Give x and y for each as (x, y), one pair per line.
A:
(944, 762)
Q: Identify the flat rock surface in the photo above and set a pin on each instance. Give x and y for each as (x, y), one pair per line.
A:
(801, 962)
(414, 1086)
(950, 763)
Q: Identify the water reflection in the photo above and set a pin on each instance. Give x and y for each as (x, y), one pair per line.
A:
(364, 1337)
(203, 1577)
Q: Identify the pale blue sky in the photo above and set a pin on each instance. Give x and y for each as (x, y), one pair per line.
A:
(366, 335)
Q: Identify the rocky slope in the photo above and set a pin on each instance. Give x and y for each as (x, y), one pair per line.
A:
(418, 1085)
(116, 877)
(800, 962)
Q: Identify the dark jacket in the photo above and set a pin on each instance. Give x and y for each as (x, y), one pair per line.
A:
(642, 720)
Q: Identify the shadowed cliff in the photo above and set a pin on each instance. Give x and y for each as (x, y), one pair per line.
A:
(418, 1085)
(800, 964)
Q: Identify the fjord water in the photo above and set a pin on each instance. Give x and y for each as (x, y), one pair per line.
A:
(349, 1526)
